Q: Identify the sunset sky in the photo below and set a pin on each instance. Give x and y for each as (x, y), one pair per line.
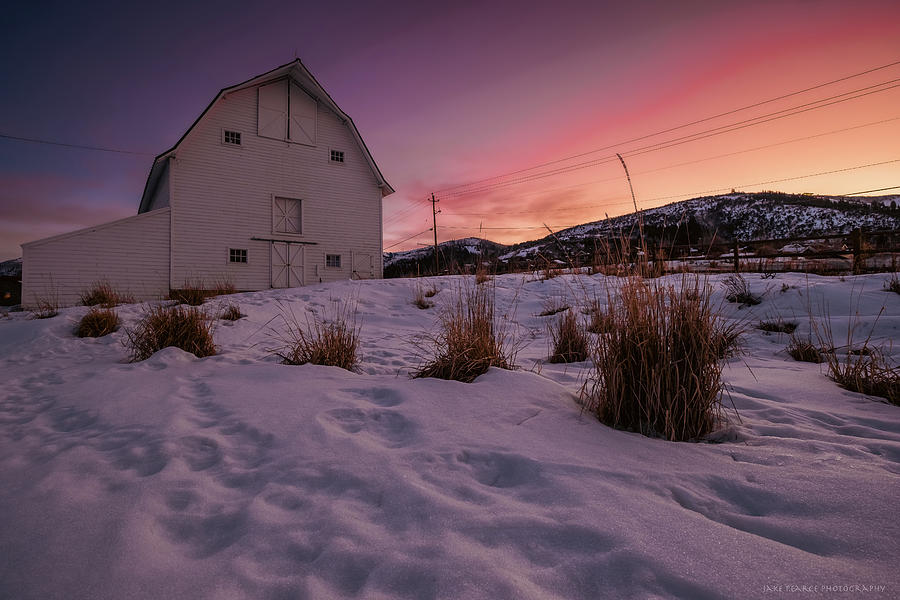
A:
(462, 92)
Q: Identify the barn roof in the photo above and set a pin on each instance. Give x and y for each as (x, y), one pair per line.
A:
(297, 71)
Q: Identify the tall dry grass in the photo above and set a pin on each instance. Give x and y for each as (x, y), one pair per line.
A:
(104, 294)
(97, 322)
(327, 339)
(568, 340)
(470, 338)
(184, 327)
(657, 368)
(863, 368)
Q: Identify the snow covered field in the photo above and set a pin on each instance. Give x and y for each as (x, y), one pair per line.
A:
(236, 477)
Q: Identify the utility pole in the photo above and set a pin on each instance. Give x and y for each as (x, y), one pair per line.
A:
(434, 213)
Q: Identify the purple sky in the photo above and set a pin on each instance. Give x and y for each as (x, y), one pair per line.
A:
(442, 94)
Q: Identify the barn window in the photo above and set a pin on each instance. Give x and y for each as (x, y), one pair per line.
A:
(237, 255)
(286, 112)
(287, 216)
(333, 261)
(231, 137)
(337, 156)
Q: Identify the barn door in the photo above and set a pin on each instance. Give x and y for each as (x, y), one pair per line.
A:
(363, 265)
(287, 265)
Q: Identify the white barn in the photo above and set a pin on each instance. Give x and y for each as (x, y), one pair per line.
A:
(272, 186)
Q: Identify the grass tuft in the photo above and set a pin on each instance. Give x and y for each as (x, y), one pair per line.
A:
(657, 370)
(421, 296)
(97, 322)
(892, 284)
(231, 312)
(321, 340)
(777, 326)
(804, 350)
(195, 293)
(568, 340)
(469, 341)
(103, 294)
(738, 290)
(554, 305)
(45, 307)
(179, 326)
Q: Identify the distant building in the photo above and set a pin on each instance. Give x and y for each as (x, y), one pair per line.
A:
(271, 187)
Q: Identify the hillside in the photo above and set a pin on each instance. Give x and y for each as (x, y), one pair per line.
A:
(742, 216)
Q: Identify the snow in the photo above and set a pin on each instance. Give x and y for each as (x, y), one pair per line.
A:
(237, 477)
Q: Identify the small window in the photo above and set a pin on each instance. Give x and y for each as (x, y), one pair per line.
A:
(337, 156)
(333, 261)
(237, 255)
(231, 137)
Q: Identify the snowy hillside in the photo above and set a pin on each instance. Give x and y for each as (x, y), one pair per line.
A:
(237, 477)
(745, 216)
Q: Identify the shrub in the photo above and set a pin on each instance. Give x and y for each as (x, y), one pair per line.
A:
(179, 326)
(321, 341)
(738, 290)
(470, 340)
(777, 326)
(657, 371)
(105, 295)
(568, 340)
(231, 312)
(803, 350)
(97, 322)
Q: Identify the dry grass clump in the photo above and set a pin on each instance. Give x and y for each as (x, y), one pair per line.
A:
(892, 284)
(777, 326)
(431, 292)
(105, 295)
(738, 290)
(231, 312)
(183, 327)
(804, 350)
(657, 370)
(97, 322)
(45, 307)
(321, 340)
(554, 305)
(470, 339)
(421, 296)
(195, 293)
(481, 273)
(568, 340)
(866, 373)
(864, 369)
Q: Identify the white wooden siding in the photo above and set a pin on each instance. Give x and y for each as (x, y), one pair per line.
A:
(131, 254)
(222, 199)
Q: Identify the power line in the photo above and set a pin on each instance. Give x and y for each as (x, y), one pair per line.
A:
(699, 194)
(407, 239)
(683, 140)
(76, 146)
(643, 137)
(896, 187)
(672, 166)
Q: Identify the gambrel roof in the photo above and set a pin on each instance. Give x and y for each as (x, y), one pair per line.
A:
(296, 71)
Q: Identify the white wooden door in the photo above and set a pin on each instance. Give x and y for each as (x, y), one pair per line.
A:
(363, 265)
(287, 265)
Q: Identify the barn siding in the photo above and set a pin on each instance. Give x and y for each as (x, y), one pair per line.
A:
(222, 197)
(132, 254)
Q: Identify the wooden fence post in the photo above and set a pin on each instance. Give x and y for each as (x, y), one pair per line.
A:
(856, 241)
